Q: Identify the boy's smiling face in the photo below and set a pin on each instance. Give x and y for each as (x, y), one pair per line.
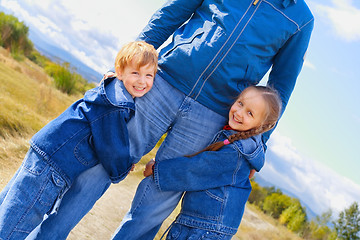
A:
(137, 81)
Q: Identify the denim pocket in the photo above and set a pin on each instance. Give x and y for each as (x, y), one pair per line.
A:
(84, 152)
(52, 189)
(206, 204)
(174, 232)
(34, 163)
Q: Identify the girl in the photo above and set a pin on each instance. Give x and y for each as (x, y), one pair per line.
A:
(217, 178)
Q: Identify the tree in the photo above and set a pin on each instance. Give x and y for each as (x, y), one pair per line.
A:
(318, 228)
(294, 217)
(14, 35)
(348, 224)
(276, 203)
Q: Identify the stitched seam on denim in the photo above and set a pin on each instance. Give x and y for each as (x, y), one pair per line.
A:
(305, 25)
(221, 218)
(30, 206)
(50, 182)
(219, 50)
(200, 216)
(278, 10)
(142, 198)
(238, 165)
(227, 52)
(82, 160)
(66, 141)
(38, 150)
(214, 196)
(184, 220)
(155, 123)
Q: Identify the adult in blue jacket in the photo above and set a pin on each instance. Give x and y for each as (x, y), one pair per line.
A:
(218, 48)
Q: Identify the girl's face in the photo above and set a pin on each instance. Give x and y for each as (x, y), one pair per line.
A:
(248, 111)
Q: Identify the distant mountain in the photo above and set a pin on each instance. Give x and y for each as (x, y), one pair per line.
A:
(265, 183)
(49, 50)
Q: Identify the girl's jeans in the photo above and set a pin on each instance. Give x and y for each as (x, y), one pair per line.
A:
(33, 192)
(182, 232)
(190, 126)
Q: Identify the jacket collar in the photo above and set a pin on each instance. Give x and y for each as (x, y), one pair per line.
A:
(287, 2)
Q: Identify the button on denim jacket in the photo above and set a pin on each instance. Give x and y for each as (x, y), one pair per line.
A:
(217, 183)
(92, 129)
(228, 45)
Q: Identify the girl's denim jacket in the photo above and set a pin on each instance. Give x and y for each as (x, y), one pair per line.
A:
(91, 130)
(217, 183)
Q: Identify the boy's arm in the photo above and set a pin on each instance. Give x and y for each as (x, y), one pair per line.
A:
(111, 143)
(196, 173)
(167, 20)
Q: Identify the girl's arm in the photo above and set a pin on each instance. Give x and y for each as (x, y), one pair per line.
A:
(206, 170)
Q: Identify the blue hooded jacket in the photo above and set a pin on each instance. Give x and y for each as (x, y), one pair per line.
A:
(91, 130)
(218, 48)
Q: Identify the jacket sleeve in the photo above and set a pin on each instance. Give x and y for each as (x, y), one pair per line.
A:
(196, 173)
(111, 142)
(167, 20)
(287, 65)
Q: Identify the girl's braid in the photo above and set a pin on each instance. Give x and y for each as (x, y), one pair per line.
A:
(249, 133)
(274, 109)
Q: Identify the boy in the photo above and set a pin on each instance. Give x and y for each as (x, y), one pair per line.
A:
(91, 130)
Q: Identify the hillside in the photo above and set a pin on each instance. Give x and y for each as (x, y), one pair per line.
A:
(28, 101)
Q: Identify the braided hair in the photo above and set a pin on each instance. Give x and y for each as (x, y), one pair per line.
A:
(273, 109)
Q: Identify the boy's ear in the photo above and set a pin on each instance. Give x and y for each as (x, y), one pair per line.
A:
(118, 73)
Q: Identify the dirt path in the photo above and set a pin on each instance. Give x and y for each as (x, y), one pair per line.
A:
(105, 217)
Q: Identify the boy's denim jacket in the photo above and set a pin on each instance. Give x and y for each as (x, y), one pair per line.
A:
(228, 45)
(92, 129)
(217, 183)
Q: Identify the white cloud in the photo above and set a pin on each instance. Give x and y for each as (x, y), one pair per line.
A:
(309, 65)
(315, 184)
(92, 31)
(343, 16)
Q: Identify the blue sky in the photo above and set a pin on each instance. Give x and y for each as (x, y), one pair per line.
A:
(314, 151)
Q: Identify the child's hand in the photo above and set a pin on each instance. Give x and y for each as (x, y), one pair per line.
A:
(108, 75)
(252, 173)
(149, 168)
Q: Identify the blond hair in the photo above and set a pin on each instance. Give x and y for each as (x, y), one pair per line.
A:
(138, 53)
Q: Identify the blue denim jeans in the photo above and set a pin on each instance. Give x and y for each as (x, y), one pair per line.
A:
(29, 196)
(182, 232)
(77, 201)
(190, 126)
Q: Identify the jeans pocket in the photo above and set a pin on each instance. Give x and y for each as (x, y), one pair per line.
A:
(174, 232)
(52, 190)
(34, 163)
(213, 236)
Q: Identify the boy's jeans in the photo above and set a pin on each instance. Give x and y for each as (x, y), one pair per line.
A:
(190, 127)
(29, 195)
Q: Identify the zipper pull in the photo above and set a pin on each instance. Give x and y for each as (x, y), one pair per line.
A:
(255, 2)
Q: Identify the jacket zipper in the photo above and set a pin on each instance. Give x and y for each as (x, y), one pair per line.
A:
(255, 2)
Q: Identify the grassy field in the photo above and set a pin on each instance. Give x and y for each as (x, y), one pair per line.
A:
(28, 101)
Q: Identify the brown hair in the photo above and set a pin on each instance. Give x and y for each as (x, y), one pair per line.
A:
(138, 53)
(273, 109)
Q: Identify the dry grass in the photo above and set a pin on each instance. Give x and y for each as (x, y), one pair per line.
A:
(27, 102)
